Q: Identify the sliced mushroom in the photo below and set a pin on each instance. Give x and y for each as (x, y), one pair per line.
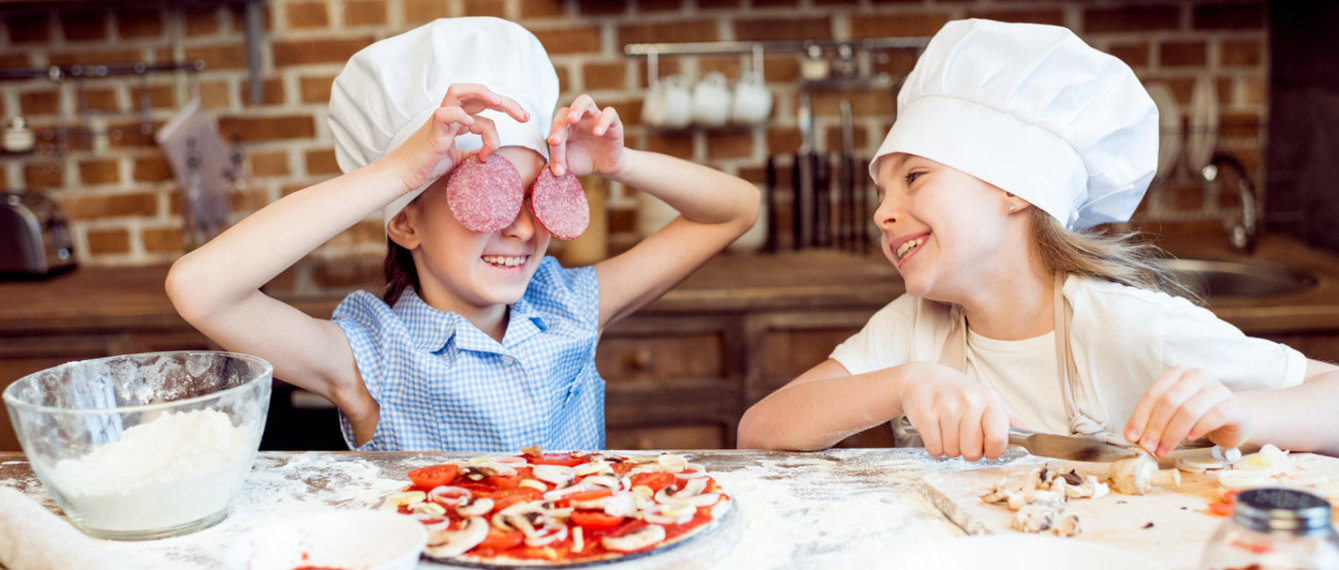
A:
(560, 475)
(1133, 475)
(403, 499)
(448, 543)
(1033, 518)
(1068, 525)
(636, 540)
(475, 507)
(669, 513)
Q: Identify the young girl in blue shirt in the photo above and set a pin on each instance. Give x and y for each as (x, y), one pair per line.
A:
(1012, 144)
(480, 341)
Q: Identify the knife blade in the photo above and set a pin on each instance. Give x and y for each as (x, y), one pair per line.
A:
(1056, 446)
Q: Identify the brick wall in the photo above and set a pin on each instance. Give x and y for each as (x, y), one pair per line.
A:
(117, 187)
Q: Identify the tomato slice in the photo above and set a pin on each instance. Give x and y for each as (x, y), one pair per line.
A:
(656, 481)
(499, 540)
(590, 495)
(595, 520)
(508, 497)
(431, 476)
(566, 459)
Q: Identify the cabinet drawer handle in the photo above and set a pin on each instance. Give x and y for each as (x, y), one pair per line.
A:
(642, 359)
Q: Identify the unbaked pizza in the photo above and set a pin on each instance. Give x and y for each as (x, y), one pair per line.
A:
(556, 509)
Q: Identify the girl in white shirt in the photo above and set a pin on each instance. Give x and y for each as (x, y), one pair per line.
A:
(1011, 144)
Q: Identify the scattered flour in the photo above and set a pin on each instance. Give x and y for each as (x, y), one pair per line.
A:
(176, 469)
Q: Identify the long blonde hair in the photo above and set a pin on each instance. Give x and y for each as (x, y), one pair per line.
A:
(1121, 257)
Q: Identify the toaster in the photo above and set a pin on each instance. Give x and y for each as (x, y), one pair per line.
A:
(34, 236)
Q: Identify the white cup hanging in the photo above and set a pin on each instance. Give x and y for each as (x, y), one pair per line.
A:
(711, 101)
(752, 102)
(668, 104)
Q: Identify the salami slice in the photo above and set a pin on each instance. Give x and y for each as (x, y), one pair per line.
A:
(485, 196)
(560, 204)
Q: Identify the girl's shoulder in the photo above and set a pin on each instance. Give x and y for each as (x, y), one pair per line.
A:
(1115, 304)
(554, 286)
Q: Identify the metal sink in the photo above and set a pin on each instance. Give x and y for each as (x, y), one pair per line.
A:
(1250, 278)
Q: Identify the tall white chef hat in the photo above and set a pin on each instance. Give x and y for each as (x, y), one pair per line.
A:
(1031, 109)
(390, 88)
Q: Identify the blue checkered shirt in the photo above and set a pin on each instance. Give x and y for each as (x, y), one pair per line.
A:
(443, 384)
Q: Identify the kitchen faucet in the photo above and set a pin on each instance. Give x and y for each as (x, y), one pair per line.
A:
(1242, 235)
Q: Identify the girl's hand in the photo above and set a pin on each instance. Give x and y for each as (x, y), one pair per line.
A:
(954, 414)
(432, 152)
(586, 139)
(1187, 403)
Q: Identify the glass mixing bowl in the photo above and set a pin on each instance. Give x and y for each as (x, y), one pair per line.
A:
(143, 446)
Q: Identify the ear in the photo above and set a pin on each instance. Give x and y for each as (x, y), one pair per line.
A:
(403, 230)
(1013, 204)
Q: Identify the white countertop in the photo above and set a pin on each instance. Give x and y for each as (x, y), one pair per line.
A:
(835, 508)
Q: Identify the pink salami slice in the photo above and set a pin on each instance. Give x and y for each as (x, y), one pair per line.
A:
(485, 196)
(560, 204)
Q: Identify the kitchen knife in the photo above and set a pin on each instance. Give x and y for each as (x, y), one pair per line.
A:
(1064, 447)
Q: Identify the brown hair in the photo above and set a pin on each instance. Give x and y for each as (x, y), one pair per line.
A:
(1105, 253)
(399, 271)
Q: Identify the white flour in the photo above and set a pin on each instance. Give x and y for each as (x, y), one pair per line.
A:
(178, 468)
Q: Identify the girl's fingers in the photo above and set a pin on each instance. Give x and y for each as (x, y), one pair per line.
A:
(605, 125)
(584, 106)
(1137, 426)
(971, 436)
(995, 426)
(930, 436)
(1184, 418)
(487, 130)
(950, 436)
(557, 142)
(474, 98)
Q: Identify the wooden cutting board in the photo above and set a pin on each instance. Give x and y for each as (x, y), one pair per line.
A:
(1169, 524)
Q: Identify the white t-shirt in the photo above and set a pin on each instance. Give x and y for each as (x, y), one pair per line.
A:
(1122, 338)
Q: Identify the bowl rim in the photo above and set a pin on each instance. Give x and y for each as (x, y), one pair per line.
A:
(14, 401)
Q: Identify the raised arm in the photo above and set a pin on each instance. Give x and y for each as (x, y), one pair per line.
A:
(715, 208)
(216, 288)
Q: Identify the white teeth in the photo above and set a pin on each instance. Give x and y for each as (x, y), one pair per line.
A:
(908, 246)
(505, 260)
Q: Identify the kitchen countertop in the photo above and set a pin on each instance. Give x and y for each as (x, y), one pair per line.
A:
(110, 299)
(837, 508)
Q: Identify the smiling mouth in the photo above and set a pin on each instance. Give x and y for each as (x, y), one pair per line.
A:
(907, 246)
(505, 260)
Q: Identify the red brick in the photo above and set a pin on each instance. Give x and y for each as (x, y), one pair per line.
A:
(132, 134)
(782, 29)
(884, 25)
(15, 60)
(667, 66)
(303, 52)
(215, 94)
(564, 80)
(347, 273)
(139, 23)
(777, 3)
(1131, 19)
(541, 8)
(726, 65)
(832, 138)
(231, 55)
(485, 8)
(254, 198)
(1229, 16)
(1133, 54)
(781, 68)
(108, 241)
(151, 169)
(365, 13)
(673, 143)
(611, 75)
(202, 19)
(601, 7)
(43, 175)
(622, 220)
(423, 11)
(678, 31)
(783, 139)
(84, 26)
(1257, 90)
(253, 129)
(864, 102)
(100, 206)
(99, 171)
(100, 55)
(582, 39)
(660, 6)
(315, 89)
(322, 162)
(1183, 54)
(162, 239)
(44, 102)
(269, 163)
(271, 92)
(237, 11)
(307, 15)
(1054, 17)
(1249, 53)
(29, 28)
(729, 143)
(99, 100)
(160, 97)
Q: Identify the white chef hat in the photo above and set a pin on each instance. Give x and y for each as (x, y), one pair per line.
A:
(390, 88)
(1033, 110)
